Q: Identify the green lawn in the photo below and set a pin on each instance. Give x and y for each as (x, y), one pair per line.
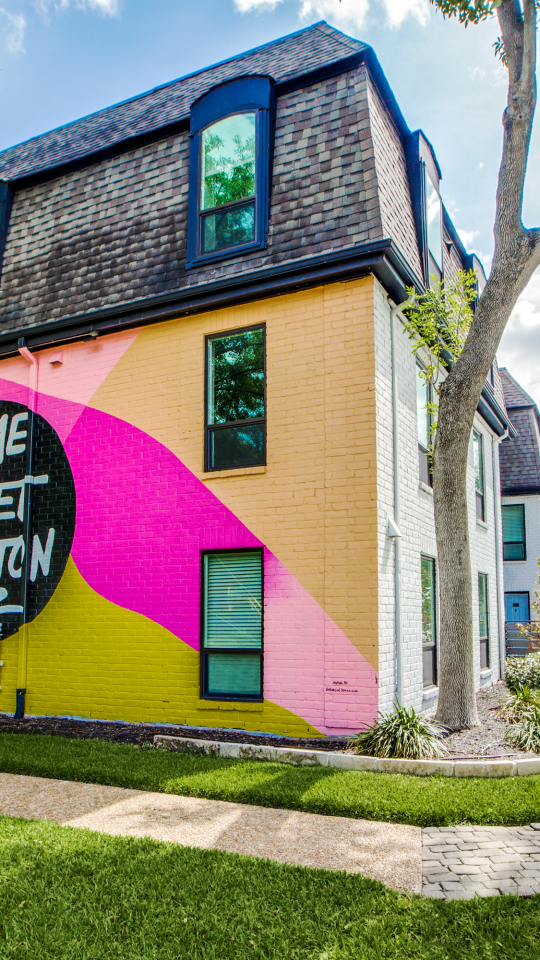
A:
(424, 801)
(75, 895)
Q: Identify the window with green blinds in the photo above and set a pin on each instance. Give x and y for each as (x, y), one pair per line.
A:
(232, 624)
(513, 523)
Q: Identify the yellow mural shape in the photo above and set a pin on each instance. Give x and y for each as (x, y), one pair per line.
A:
(89, 658)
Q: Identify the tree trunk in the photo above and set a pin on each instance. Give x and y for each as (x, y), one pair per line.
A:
(517, 254)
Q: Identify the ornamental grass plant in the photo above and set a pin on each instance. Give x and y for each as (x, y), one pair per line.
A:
(404, 734)
(521, 702)
(526, 734)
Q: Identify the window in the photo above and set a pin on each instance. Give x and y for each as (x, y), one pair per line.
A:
(227, 201)
(434, 222)
(232, 629)
(429, 623)
(483, 617)
(513, 524)
(423, 419)
(230, 160)
(478, 454)
(235, 400)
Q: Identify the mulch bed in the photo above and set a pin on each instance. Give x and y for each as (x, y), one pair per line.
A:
(484, 741)
(143, 733)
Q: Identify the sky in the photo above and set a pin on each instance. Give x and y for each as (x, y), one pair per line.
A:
(63, 59)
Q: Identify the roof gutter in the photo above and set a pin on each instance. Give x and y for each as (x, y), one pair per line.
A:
(381, 258)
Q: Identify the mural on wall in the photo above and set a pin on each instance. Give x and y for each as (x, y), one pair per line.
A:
(37, 514)
(142, 519)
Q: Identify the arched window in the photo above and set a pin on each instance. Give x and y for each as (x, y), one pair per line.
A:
(230, 169)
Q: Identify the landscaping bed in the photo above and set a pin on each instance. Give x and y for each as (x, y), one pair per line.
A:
(143, 733)
(480, 742)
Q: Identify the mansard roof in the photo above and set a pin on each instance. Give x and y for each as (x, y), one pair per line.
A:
(306, 51)
(520, 456)
(97, 232)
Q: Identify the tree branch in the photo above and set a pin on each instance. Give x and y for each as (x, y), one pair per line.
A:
(528, 72)
(511, 24)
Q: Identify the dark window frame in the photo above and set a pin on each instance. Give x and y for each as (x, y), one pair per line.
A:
(513, 543)
(485, 657)
(251, 94)
(480, 496)
(210, 428)
(235, 651)
(425, 469)
(430, 650)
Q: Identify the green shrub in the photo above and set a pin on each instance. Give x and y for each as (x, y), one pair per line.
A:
(520, 703)
(526, 735)
(523, 671)
(404, 734)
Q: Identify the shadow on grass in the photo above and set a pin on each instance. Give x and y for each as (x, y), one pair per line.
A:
(74, 895)
(421, 801)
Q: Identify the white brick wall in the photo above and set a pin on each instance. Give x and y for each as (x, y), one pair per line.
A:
(417, 524)
(522, 575)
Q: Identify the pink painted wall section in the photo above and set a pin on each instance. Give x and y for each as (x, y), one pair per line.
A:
(143, 519)
(72, 372)
(311, 667)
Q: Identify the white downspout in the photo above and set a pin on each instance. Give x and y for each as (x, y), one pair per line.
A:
(393, 531)
(498, 552)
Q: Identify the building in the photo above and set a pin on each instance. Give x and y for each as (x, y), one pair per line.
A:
(217, 497)
(520, 490)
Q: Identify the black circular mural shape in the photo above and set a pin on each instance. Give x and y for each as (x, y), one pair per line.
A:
(37, 515)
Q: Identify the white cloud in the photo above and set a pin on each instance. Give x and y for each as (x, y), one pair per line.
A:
(244, 6)
(346, 12)
(109, 8)
(398, 10)
(520, 344)
(15, 26)
(468, 237)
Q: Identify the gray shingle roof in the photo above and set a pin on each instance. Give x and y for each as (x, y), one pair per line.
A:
(520, 457)
(291, 56)
(514, 395)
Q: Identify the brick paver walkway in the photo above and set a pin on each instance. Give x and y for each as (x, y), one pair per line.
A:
(459, 862)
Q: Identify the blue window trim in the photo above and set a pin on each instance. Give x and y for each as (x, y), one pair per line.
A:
(6, 202)
(253, 93)
(421, 163)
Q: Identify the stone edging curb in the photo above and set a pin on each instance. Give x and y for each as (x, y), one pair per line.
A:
(347, 761)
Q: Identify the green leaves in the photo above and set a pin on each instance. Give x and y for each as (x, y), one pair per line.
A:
(467, 11)
(404, 734)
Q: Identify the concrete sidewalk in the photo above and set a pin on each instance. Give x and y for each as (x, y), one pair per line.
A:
(443, 862)
(391, 853)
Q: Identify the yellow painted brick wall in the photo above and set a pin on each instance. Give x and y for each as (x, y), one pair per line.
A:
(314, 505)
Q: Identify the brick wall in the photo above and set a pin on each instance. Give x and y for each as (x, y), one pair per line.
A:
(417, 523)
(119, 639)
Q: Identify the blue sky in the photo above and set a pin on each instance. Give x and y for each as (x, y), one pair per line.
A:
(62, 59)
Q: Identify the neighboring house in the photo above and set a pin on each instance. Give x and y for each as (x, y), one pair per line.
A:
(520, 490)
(217, 500)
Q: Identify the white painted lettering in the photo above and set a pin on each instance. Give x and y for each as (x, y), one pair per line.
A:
(18, 485)
(41, 557)
(18, 547)
(3, 429)
(8, 607)
(12, 447)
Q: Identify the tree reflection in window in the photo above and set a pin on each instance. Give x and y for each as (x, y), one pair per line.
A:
(236, 400)
(227, 181)
(228, 159)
